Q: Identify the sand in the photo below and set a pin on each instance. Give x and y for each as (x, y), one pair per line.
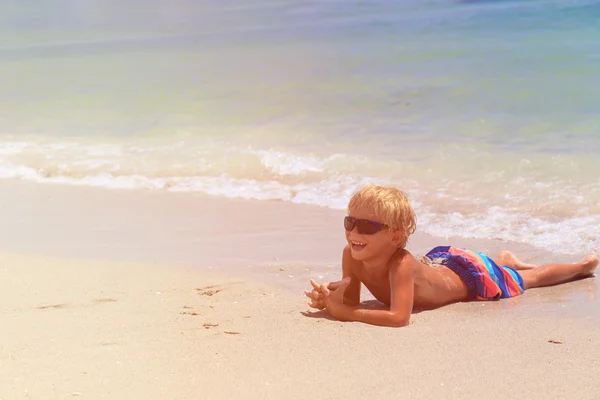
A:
(121, 295)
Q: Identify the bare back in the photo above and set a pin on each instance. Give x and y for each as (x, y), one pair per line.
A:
(434, 286)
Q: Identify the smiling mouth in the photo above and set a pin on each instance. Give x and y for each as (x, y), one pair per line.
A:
(357, 246)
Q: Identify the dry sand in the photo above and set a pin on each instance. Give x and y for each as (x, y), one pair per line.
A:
(109, 295)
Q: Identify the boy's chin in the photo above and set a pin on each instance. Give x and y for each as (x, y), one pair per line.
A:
(358, 254)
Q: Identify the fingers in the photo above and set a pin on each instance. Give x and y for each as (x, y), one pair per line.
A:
(314, 284)
(323, 290)
(317, 304)
(324, 287)
(329, 285)
(314, 295)
(317, 295)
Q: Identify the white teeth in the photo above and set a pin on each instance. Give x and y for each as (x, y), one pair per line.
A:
(358, 243)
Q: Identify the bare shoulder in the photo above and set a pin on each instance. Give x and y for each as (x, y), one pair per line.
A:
(403, 263)
(404, 259)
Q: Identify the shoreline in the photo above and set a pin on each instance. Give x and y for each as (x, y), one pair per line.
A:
(275, 242)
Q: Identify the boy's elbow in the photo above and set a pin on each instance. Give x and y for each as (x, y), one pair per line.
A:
(398, 321)
(400, 324)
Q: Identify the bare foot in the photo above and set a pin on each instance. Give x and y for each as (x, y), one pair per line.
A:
(510, 260)
(589, 264)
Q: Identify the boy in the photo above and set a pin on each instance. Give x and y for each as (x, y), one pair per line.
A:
(379, 223)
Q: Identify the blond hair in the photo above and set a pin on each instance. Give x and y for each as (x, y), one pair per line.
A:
(390, 205)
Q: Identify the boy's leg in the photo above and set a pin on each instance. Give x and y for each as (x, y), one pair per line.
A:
(553, 274)
(506, 258)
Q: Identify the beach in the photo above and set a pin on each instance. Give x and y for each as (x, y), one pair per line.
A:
(123, 307)
(173, 173)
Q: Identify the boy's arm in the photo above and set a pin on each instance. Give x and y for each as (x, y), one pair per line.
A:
(401, 301)
(352, 293)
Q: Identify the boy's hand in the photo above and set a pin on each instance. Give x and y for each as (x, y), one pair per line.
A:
(334, 293)
(317, 295)
(333, 299)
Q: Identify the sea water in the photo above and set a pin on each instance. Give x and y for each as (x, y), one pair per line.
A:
(486, 113)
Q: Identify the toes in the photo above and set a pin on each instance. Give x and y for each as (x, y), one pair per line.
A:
(591, 261)
(592, 258)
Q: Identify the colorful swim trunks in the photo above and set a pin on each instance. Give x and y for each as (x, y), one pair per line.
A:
(484, 278)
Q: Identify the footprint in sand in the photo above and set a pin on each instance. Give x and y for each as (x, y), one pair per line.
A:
(208, 290)
(105, 300)
(188, 311)
(53, 306)
(213, 289)
(57, 306)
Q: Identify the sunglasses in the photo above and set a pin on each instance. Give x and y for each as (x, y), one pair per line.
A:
(364, 226)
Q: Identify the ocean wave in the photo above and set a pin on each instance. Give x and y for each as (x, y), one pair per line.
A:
(555, 213)
(574, 235)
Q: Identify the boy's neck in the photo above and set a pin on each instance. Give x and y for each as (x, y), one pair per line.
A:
(380, 262)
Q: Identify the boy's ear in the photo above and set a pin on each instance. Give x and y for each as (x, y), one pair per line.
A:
(397, 236)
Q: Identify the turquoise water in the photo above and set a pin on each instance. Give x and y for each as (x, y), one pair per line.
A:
(485, 112)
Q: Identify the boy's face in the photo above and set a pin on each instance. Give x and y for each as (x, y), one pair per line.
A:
(364, 246)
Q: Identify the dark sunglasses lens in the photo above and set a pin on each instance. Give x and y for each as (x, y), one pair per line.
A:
(366, 227)
(348, 223)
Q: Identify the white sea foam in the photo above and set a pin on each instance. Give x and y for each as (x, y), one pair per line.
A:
(552, 215)
(288, 164)
(575, 235)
